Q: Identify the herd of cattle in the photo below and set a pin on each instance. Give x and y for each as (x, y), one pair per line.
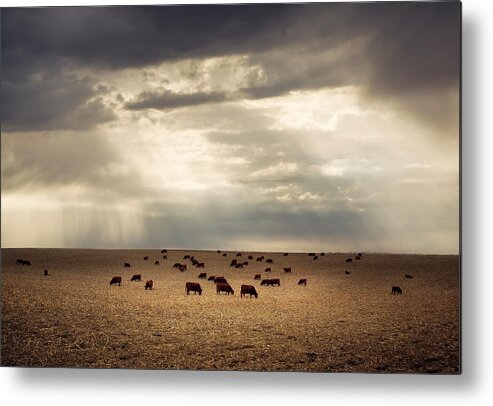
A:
(222, 285)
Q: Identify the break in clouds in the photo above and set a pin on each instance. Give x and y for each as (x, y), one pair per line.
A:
(256, 127)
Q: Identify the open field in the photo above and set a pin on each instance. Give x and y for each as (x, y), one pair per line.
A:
(337, 323)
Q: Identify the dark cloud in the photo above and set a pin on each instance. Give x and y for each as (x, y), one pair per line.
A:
(168, 100)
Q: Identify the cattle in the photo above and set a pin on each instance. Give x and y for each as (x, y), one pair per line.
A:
(163, 251)
(177, 265)
(200, 265)
(233, 262)
(136, 278)
(248, 290)
(218, 251)
(225, 255)
(156, 263)
(146, 258)
(193, 287)
(396, 290)
(202, 275)
(347, 272)
(116, 280)
(23, 262)
(45, 272)
(311, 254)
(224, 287)
(250, 257)
(287, 270)
(285, 254)
(186, 257)
(265, 282)
(357, 258)
(269, 261)
(257, 277)
(315, 257)
(183, 268)
(349, 260)
(239, 266)
(238, 254)
(165, 257)
(268, 270)
(149, 284)
(360, 254)
(302, 282)
(245, 263)
(212, 278)
(322, 254)
(271, 282)
(220, 279)
(408, 276)
(126, 265)
(260, 259)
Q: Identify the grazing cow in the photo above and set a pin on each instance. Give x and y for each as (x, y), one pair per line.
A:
(257, 277)
(409, 276)
(260, 259)
(149, 284)
(116, 280)
(285, 254)
(20, 262)
(202, 275)
(250, 257)
(220, 279)
(302, 282)
(315, 257)
(186, 257)
(200, 265)
(146, 258)
(287, 270)
(248, 290)
(225, 255)
(311, 254)
(165, 257)
(183, 268)
(269, 261)
(360, 254)
(349, 260)
(396, 290)
(322, 254)
(177, 265)
(126, 265)
(268, 270)
(218, 251)
(238, 254)
(233, 262)
(347, 272)
(136, 278)
(193, 287)
(357, 258)
(224, 287)
(239, 266)
(275, 282)
(163, 251)
(212, 278)
(265, 282)
(156, 263)
(45, 272)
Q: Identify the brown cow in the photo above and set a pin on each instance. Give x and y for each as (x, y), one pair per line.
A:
(212, 278)
(396, 290)
(116, 280)
(203, 275)
(248, 290)
(265, 282)
(149, 284)
(136, 278)
(268, 270)
(156, 263)
(193, 287)
(220, 279)
(126, 265)
(287, 270)
(200, 265)
(224, 287)
(257, 277)
(302, 282)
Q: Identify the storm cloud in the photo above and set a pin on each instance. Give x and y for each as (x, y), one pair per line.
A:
(275, 126)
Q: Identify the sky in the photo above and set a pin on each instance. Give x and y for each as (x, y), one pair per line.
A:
(278, 127)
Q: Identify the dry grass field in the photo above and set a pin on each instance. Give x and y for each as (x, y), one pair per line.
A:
(337, 323)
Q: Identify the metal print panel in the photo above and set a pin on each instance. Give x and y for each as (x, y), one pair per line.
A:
(269, 187)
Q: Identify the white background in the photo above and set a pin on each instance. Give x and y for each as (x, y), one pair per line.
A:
(474, 386)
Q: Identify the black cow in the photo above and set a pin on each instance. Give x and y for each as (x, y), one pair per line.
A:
(45, 272)
(218, 251)
(220, 279)
(269, 261)
(149, 284)
(285, 254)
(265, 282)
(360, 254)
(311, 254)
(193, 287)
(257, 277)
(165, 257)
(233, 262)
(357, 258)
(302, 282)
(250, 257)
(177, 265)
(200, 265)
(408, 276)
(225, 255)
(396, 290)
(126, 265)
(156, 263)
(239, 266)
(212, 278)
(136, 278)
(116, 280)
(260, 259)
(146, 258)
(183, 268)
(287, 270)
(163, 251)
(268, 270)
(275, 282)
(186, 257)
(238, 254)
(349, 260)
(203, 275)
(224, 287)
(248, 290)
(315, 257)
(20, 262)
(322, 254)
(347, 272)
